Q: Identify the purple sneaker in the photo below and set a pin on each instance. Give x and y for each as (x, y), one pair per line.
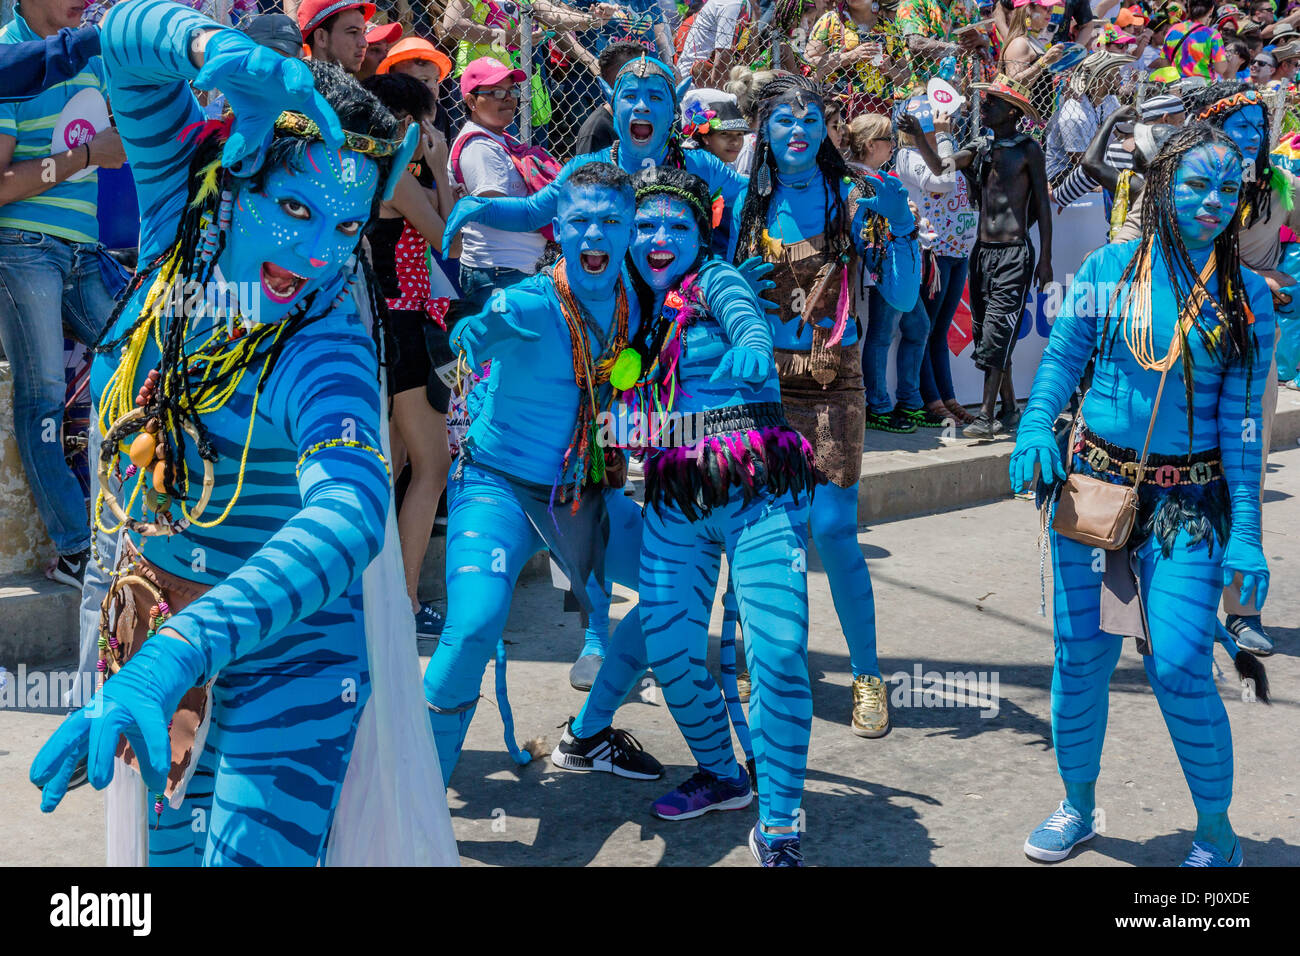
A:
(701, 793)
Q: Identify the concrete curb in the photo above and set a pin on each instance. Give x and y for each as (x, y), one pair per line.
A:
(924, 474)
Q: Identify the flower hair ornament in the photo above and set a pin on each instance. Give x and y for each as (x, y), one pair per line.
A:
(698, 120)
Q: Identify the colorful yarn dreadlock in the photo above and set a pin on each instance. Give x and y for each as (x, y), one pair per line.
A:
(589, 375)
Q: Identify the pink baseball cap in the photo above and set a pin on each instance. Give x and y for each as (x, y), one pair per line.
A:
(486, 71)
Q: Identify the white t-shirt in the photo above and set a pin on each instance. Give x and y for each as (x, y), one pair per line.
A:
(487, 168)
(714, 29)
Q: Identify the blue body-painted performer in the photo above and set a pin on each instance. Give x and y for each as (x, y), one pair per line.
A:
(532, 466)
(731, 477)
(1179, 300)
(799, 214)
(239, 376)
(644, 101)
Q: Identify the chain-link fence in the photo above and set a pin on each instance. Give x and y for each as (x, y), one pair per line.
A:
(864, 69)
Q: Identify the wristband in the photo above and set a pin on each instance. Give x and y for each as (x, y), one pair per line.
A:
(87, 145)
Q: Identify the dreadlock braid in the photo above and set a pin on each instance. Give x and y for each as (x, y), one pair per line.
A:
(784, 89)
(1230, 337)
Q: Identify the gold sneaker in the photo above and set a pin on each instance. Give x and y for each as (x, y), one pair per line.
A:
(742, 685)
(870, 707)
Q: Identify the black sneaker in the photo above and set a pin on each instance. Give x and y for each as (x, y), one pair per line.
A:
(892, 421)
(924, 417)
(982, 427)
(428, 623)
(610, 751)
(1010, 419)
(70, 569)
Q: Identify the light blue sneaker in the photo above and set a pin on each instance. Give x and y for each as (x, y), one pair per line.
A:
(1249, 634)
(1207, 854)
(1054, 838)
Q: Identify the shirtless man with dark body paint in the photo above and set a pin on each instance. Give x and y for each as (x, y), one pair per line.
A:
(1008, 181)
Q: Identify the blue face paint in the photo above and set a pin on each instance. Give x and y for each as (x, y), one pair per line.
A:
(1246, 128)
(295, 235)
(795, 134)
(593, 226)
(1207, 189)
(644, 111)
(666, 242)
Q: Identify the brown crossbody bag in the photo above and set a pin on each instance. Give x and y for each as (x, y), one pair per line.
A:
(1100, 513)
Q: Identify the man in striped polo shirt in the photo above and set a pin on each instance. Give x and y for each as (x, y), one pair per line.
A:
(50, 267)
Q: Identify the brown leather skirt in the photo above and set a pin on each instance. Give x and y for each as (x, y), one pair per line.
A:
(127, 615)
(832, 417)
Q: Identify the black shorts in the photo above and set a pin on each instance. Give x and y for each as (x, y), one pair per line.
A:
(1000, 274)
(416, 348)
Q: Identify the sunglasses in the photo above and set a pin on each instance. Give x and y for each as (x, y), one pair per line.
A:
(1259, 61)
(499, 95)
(891, 140)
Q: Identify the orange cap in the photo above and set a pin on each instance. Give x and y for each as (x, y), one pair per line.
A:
(415, 48)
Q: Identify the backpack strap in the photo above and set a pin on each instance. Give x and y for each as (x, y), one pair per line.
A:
(462, 140)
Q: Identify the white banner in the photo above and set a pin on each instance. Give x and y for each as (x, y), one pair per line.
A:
(1076, 231)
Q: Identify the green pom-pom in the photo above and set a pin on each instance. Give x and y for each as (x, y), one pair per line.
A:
(626, 371)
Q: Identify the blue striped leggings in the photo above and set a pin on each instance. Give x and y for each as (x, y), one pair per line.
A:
(766, 545)
(1181, 594)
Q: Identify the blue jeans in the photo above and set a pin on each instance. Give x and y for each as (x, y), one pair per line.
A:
(936, 370)
(476, 285)
(46, 284)
(914, 326)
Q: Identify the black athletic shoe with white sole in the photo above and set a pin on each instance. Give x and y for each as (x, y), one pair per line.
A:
(70, 569)
(610, 751)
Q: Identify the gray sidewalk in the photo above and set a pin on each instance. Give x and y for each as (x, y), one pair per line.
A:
(956, 592)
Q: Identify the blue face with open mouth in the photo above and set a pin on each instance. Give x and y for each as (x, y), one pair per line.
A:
(666, 242)
(796, 134)
(1207, 191)
(296, 234)
(644, 111)
(593, 225)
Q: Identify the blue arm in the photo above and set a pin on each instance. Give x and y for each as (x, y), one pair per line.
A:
(900, 273)
(327, 390)
(732, 301)
(1241, 444)
(1073, 340)
(30, 67)
(720, 177)
(146, 53)
(527, 214)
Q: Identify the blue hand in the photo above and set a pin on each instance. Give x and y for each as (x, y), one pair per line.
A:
(743, 364)
(890, 203)
(259, 84)
(1035, 448)
(467, 209)
(138, 701)
(1247, 559)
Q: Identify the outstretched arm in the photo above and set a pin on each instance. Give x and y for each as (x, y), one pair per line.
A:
(527, 214)
(28, 68)
(748, 354)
